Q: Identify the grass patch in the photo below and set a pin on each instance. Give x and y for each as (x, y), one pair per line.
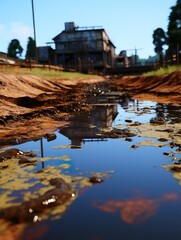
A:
(163, 71)
(46, 73)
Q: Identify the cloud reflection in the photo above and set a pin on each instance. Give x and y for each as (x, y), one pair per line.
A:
(136, 210)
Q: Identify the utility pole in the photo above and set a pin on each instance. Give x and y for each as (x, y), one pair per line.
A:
(34, 28)
(135, 55)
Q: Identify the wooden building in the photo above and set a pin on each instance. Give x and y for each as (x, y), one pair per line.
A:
(46, 55)
(84, 49)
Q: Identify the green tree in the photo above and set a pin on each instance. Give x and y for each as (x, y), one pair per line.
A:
(31, 49)
(159, 40)
(14, 48)
(174, 29)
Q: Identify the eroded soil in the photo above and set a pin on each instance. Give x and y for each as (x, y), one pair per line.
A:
(44, 106)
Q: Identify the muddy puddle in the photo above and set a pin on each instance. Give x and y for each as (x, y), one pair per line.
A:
(111, 172)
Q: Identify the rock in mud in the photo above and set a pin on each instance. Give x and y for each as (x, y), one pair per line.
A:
(32, 210)
(135, 124)
(118, 133)
(157, 121)
(168, 154)
(10, 154)
(162, 139)
(128, 139)
(176, 169)
(169, 130)
(50, 137)
(172, 144)
(95, 180)
(179, 132)
(134, 146)
(14, 153)
(128, 121)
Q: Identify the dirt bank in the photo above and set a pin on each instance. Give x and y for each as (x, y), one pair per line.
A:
(44, 106)
(165, 89)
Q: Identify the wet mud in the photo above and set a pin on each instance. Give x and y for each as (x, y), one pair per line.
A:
(31, 211)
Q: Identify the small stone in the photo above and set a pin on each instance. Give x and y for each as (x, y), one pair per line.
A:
(134, 146)
(128, 121)
(157, 121)
(162, 139)
(50, 137)
(95, 180)
(128, 139)
(168, 154)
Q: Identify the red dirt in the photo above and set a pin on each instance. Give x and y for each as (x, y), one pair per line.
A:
(43, 105)
(165, 89)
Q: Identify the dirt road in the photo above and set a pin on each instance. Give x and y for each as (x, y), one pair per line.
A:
(31, 107)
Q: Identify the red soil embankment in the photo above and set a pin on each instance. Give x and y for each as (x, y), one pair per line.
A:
(165, 88)
(31, 106)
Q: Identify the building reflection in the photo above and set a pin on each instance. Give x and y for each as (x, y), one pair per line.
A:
(86, 127)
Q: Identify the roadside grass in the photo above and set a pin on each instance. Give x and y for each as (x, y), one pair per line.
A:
(55, 74)
(163, 71)
(46, 73)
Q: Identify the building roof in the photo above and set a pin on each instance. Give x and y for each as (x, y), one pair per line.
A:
(84, 29)
(76, 31)
(70, 27)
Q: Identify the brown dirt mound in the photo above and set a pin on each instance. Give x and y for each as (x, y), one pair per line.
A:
(16, 85)
(159, 84)
(164, 89)
(19, 94)
(170, 83)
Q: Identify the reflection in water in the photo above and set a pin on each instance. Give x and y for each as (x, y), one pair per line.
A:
(42, 152)
(170, 111)
(136, 210)
(86, 127)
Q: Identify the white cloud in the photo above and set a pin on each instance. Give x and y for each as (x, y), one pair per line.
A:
(15, 30)
(20, 31)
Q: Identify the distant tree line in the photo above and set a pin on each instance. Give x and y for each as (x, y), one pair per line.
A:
(15, 50)
(170, 38)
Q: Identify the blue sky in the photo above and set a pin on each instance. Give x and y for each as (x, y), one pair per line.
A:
(129, 23)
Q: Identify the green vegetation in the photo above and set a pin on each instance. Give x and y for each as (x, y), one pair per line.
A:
(163, 71)
(172, 37)
(31, 49)
(159, 40)
(46, 73)
(14, 49)
(174, 30)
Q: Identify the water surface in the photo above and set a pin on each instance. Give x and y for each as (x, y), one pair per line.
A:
(138, 199)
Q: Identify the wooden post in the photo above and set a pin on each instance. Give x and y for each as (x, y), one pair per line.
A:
(178, 55)
(30, 63)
